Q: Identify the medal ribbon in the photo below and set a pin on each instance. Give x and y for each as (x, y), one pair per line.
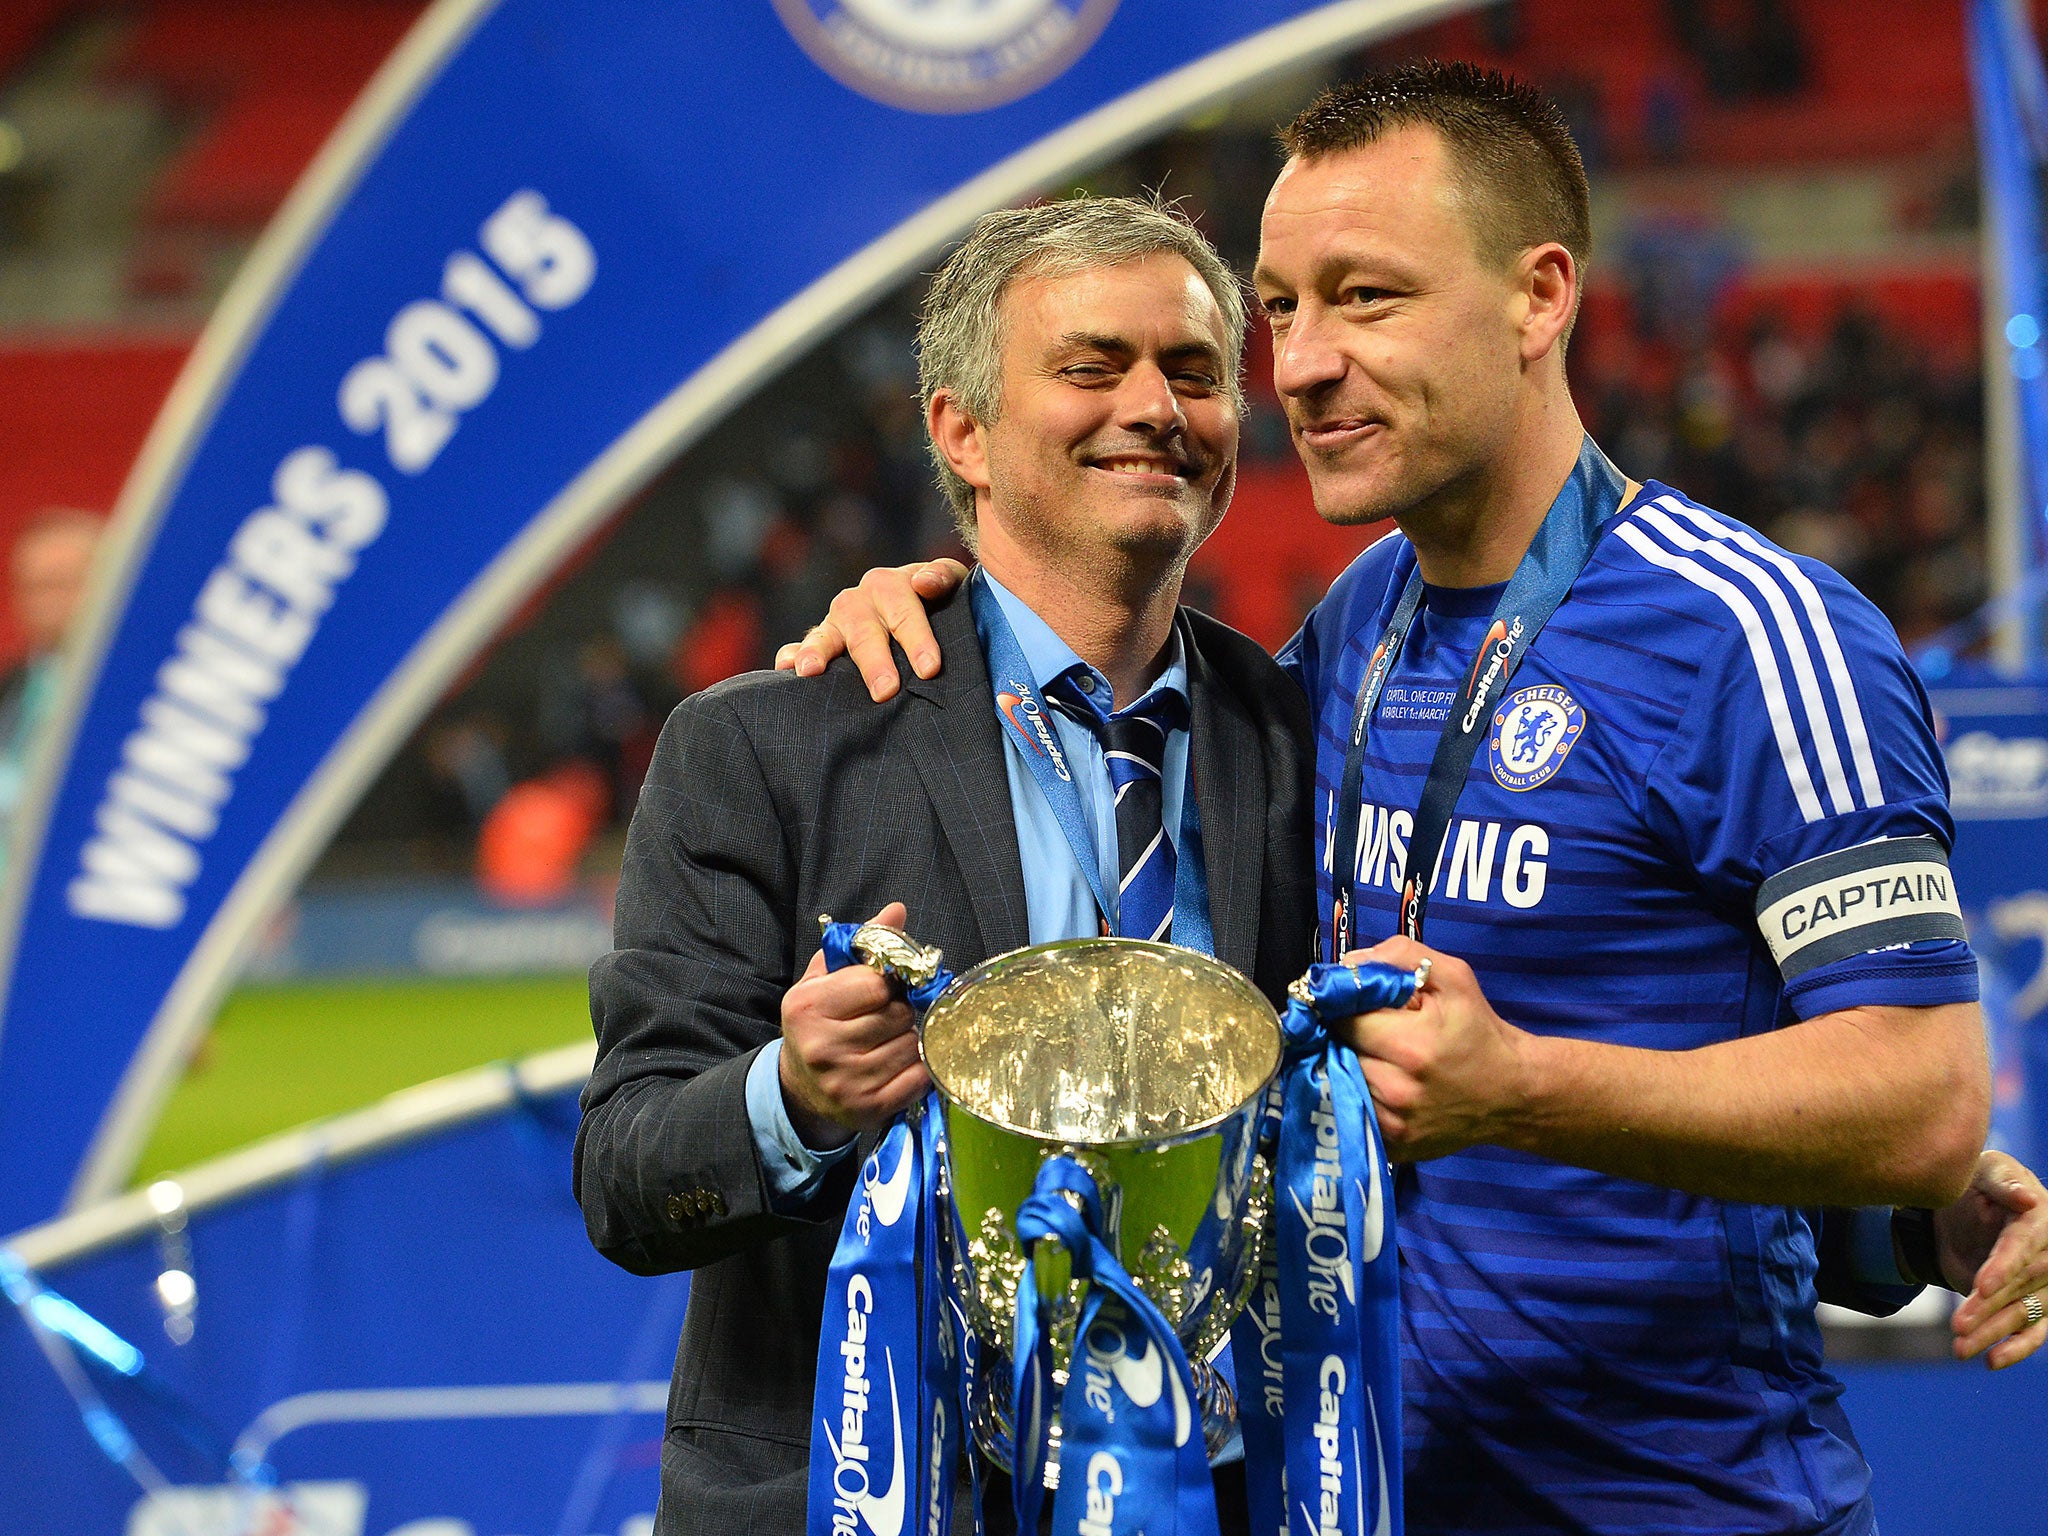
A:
(1028, 720)
(1318, 1349)
(1562, 546)
(1133, 1461)
(888, 1410)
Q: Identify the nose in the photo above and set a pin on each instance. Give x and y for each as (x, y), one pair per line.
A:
(1146, 402)
(1305, 356)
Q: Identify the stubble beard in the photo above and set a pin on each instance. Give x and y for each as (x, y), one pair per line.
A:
(1413, 495)
(1350, 513)
(1114, 556)
(1357, 505)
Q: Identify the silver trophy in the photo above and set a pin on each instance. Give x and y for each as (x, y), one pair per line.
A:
(1148, 1065)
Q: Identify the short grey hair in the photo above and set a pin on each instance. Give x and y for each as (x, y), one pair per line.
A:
(960, 334)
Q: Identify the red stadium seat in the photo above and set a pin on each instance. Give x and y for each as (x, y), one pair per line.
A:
(1884, 77)
(73, 415)
(205, 49)
(272, 80)
(23, 25)
(237, 172)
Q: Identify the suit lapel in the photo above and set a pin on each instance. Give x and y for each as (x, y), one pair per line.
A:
(1229, 780)
(957, 748)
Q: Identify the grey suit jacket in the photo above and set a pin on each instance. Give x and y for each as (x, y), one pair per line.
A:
(772, 800)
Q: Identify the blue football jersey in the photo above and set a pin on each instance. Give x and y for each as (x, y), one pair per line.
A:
(1711, 803)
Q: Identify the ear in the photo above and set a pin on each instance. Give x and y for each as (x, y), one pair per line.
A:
(1547, 296)
(960, 438)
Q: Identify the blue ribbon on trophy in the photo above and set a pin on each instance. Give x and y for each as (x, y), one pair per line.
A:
(1132, 1454)
(1318, 1348)
(875, 1456)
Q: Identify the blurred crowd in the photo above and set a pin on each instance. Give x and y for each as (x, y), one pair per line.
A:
(1856, 446)
(537, 763)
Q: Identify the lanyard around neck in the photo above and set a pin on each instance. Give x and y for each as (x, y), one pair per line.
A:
(1027, 719)
(1562, 546)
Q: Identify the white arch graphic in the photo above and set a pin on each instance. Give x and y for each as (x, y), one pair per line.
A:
(382, 726)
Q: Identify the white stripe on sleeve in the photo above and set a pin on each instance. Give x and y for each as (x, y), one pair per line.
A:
(1821, 727)
(1775, 702)
(1830, 646)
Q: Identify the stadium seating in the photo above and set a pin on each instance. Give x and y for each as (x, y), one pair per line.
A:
(23, 25)
(1881, 77)
(205, 50)
(268, 80)
(92, 404)
(239, 169)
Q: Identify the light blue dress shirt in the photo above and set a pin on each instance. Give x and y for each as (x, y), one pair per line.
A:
(1058, 902)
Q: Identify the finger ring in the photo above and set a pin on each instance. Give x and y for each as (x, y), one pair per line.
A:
(2032, 1301)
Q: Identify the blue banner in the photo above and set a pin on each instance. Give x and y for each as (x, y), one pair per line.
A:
(429, 928)
(888, 1293)
(1338, 1278)
(553, 244)
(2010, 93)
(1146, 1471)
(1995, 738)
(335, 1382)
(871, 1355)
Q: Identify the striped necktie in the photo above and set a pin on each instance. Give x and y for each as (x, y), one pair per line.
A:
(1134, 750)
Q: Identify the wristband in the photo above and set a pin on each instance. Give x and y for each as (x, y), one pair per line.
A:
(1913, 1241)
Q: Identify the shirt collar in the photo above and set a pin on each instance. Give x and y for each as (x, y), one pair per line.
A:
(1049, 657)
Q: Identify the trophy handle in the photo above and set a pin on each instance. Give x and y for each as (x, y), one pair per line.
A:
(1052, 1267)
(892, 952)
(1216, 1403)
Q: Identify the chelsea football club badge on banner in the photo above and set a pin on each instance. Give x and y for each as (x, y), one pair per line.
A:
(945, 55)
(1533, 733)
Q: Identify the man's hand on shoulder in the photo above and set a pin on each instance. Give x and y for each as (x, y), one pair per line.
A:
(1444, 1071)
(889, 603)
(849, 1050)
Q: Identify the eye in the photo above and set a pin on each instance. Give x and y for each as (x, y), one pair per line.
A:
(1087, 373)
(1277, 308)
(1365, 296)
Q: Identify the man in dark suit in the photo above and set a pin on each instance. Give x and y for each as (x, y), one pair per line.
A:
(1080, 371)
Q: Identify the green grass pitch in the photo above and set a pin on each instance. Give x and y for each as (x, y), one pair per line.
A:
(281, 1055)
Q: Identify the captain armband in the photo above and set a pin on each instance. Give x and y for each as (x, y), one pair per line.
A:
(1875, 896)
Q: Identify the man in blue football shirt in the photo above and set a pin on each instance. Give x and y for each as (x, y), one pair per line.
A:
(1697, 965)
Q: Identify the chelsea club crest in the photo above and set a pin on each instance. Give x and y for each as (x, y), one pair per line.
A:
(1533, 732)
(945, 55)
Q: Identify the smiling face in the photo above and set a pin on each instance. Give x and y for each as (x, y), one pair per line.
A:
(1116, 438)
(1399, 350)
